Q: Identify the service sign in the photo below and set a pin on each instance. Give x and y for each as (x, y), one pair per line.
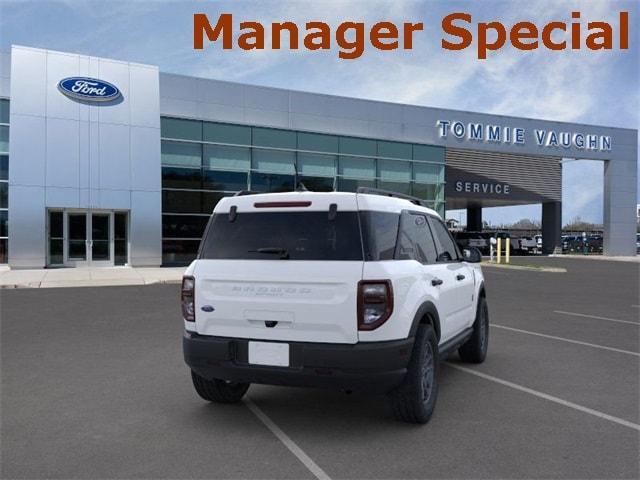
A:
(89, 89)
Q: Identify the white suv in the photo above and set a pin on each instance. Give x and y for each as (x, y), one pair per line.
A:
(356, 291)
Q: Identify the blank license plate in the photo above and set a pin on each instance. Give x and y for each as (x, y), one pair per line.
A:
(268, 353)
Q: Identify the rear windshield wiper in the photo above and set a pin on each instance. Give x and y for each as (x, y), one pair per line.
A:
(284, 254)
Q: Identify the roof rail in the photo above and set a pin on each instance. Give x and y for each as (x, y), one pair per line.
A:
(387, 193)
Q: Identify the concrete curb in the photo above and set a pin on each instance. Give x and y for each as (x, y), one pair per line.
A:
(599, 258)
(89, 277)
(91, 283)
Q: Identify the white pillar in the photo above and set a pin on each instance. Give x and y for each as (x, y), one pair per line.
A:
(620, 199)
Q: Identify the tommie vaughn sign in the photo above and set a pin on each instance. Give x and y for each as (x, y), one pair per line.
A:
(89, 89)
(479, 132)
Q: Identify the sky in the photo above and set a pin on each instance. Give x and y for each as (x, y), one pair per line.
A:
(593, 87)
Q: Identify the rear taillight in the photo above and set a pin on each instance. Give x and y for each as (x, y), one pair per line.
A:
(188, 299)
(375, 303)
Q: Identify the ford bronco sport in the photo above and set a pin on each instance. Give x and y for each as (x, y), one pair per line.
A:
(357, 291)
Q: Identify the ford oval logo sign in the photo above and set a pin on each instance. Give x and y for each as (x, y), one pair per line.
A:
(90, 89)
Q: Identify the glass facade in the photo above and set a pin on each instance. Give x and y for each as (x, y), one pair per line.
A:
(4, 180)
(205, 161)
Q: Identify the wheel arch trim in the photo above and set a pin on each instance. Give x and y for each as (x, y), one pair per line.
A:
(426, 310)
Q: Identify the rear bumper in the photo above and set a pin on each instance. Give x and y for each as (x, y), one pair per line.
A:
(369, 366)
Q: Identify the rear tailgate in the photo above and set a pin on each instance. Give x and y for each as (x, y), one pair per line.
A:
(281, 267)
(278, 300)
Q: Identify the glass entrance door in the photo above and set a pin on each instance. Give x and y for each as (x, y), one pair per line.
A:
(81, 238)
(76, 238)
(101, 241)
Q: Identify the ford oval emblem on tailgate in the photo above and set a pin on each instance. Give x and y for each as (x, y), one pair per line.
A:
(207, 308)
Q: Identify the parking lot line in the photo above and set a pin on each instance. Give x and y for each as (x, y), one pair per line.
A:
(574, 314)
(546, 396)
(286, 440)
(568, 340)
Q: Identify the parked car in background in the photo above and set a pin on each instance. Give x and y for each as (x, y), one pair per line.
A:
(471, 239)
(528, 245)
(570, 243)
(595, 244)
(582, 244)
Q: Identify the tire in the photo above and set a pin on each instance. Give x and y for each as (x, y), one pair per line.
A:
(415, 399)
(474, 350)
(218, 391)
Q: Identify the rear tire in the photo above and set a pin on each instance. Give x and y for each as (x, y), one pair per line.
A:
(415, 399)
(474, 350)
(219, 391)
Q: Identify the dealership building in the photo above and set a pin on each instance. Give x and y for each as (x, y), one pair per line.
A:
(108, 162)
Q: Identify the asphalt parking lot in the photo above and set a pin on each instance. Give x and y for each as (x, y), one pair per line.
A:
(94, 386)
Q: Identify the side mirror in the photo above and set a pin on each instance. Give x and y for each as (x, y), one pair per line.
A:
(471, 255)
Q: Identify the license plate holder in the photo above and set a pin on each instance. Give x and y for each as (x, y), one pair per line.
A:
(269, 353)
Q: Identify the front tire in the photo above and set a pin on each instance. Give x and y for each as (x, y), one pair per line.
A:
(218, 391)
(415, 399)
(474, 350)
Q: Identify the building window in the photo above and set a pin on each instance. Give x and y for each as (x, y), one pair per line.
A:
(352, 185)
(4, 195)
(182, 129)
(272, 182)
(181, 154)
(225, 133)
(271, 137)
(184, 226)
(120, 238)
(318, 143)
(180, 177)
(395, 150)
(179, 252)
(274, 161)
(4, 233)
(224, 181)
(358, 146)
(4, 168)
(394, 176)
(205, 161)
(4, 111)
(353, 167)
(210, 199)
(227, 158)
(317, 165)
(4, 138)
(4, 180)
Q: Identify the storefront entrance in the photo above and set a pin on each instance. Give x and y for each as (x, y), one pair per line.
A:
(80, 238)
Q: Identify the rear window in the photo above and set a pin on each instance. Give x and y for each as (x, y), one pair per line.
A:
(283, 235)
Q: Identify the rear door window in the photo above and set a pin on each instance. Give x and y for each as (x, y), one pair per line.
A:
(414, 239)
(283, 236)
(380, 232)
(445, 246)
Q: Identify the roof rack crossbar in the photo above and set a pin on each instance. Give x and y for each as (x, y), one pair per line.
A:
(387, 193)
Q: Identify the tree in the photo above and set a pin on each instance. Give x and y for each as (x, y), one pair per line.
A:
(579, 225)
(526, 224)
